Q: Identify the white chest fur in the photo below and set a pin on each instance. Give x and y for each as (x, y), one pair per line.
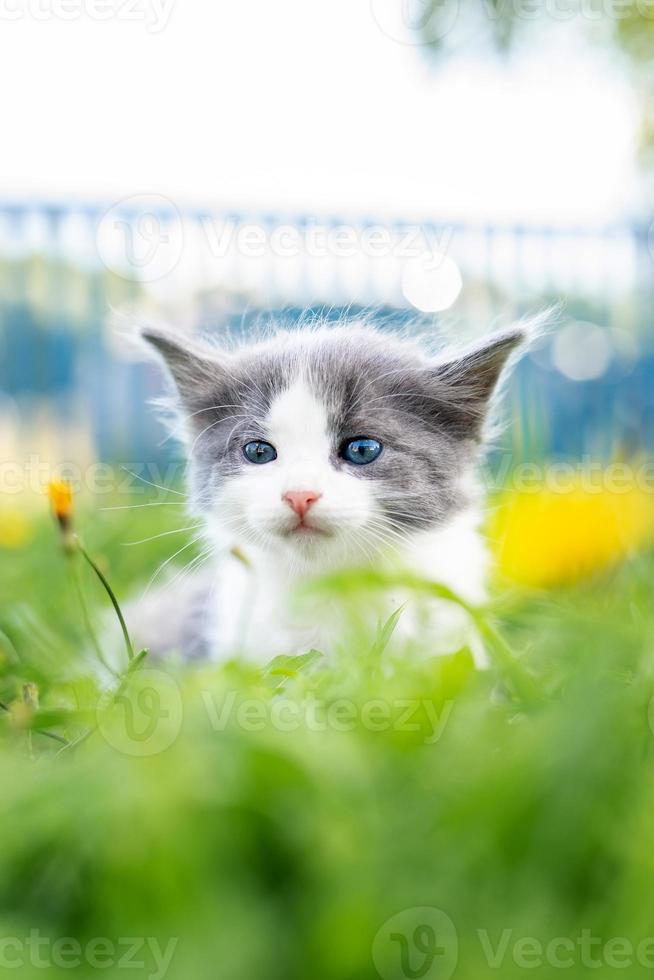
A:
(256, 610)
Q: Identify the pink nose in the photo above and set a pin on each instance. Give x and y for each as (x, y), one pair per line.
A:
(301, 500)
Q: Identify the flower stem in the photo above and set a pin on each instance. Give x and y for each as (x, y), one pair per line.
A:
(87, 619)
(114, 600)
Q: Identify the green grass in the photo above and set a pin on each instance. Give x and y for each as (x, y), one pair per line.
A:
(273, 821)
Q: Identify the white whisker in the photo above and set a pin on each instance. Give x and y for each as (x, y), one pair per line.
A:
(157, 486)
(162, 534)
(164, 564)
(153, 503)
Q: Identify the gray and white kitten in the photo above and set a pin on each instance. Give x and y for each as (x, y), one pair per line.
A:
(318, 449)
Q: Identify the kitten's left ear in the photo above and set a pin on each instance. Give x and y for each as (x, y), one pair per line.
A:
(196, 369)
(468, 380)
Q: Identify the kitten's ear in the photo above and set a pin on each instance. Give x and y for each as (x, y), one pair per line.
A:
(195, 369)
(468, 380)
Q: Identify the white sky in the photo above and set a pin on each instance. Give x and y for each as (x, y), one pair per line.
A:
(304, 103)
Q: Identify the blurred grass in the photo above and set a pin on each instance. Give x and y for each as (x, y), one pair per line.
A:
(276, 843)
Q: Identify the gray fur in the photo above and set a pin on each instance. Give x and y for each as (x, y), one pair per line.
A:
(173, 619)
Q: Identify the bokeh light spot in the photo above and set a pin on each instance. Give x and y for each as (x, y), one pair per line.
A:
(582, 351)
(431, 282)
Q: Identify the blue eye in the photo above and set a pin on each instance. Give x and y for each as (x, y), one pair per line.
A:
(259, 452)
(361, 451)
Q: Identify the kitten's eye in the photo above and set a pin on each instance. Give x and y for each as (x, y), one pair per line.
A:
(259, 452)
(361, 451)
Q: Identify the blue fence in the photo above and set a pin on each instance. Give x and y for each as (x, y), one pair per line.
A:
(66, 269)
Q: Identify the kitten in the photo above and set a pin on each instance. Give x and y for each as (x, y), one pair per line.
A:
(315, 450)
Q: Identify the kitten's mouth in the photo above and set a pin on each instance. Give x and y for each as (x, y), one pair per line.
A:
(304, 530)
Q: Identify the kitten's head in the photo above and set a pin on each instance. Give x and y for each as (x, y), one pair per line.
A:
(327, 443)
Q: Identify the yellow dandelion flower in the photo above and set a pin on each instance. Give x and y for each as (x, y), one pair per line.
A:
(60, 494)
(547, 537)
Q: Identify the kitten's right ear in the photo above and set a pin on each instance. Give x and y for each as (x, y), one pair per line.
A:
(194, 368)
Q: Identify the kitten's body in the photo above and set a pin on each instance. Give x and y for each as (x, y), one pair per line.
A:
(307, 396)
